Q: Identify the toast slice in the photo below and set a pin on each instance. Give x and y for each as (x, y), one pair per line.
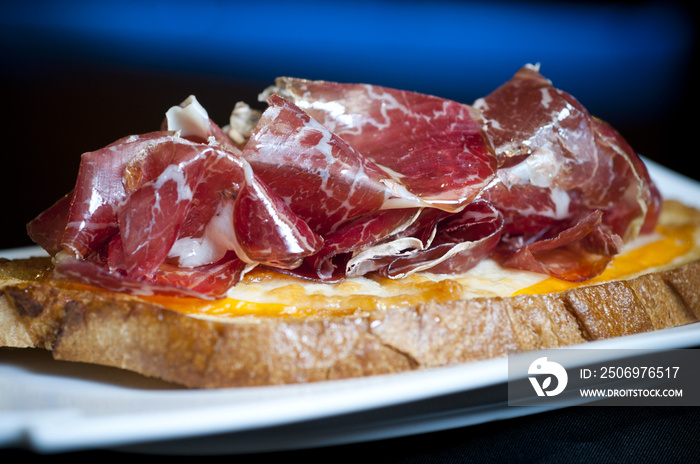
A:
(107, 328)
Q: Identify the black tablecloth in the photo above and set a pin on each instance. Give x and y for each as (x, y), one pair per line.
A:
(590, 434)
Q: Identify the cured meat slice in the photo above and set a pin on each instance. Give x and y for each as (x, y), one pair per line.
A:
(92, 216)
(575, 251)
(330, 263)
(636, 210)
(227, 193)
(151, 215)
(46, 230)
(177, 205)
(433, 146)
(558, 167)
(267, 231)
(204, 282)
(445, 244)
(324, 180)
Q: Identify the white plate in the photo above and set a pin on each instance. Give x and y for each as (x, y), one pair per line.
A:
(52, 406)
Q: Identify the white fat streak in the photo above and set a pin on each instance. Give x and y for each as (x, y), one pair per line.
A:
(339, 113)
(190, 118)
(95, 201)
(388, 103)
(539, 169)
(324, 145)
(130, 139)
(546, 97)
(333, 108)
(560, 206)
(564, 113)
(218, 238)
(173, 173)
(397, 195)
(193, 252)
(480, 104)
(561, 201)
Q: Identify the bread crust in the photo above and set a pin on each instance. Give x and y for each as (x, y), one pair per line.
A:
(129, 333)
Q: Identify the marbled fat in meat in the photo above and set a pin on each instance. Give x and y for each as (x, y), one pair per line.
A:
(325, 180)
(432, 145)
(558, 168)
(339, 180)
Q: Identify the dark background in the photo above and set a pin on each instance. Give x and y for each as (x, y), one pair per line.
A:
(77, 75)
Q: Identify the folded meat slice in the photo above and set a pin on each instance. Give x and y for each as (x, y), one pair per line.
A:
(432, 145)
(267, 231)
(85, 219)
(178, 206)
(92, 215)
(233, 210)
(337, 180)
(442, 243)
(205, 282)
(46, 230)
(367, 231)
(323, 179)
(359, 207)
(575, 250)
(571, 189)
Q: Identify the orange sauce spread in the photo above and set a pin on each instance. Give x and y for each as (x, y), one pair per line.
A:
(674, 243)
(296, 301)
(297, 298)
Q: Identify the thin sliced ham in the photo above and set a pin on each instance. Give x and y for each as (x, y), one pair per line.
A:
(322, 178)
(331, 262)
(46, 230)
(204, 282)
(432, 145)
(99, 190)
(439, 243)
(339, 180)
(267, 231)
(180, 204)
(559, 168)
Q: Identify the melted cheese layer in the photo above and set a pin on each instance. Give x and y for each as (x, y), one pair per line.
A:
(267, 293)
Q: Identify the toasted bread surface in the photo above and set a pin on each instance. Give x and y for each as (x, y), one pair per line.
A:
(117, 330)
